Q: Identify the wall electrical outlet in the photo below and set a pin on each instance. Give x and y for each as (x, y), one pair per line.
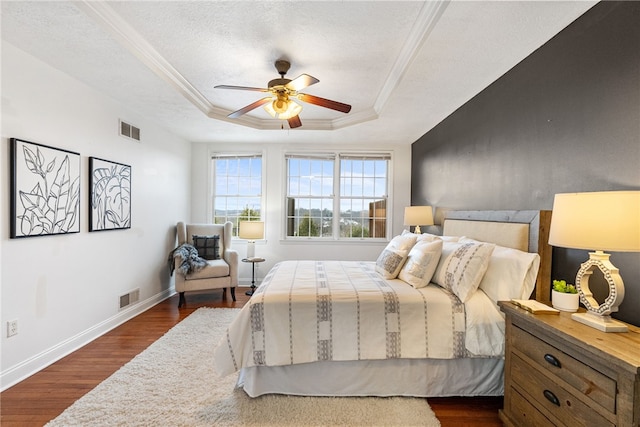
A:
(12, 327)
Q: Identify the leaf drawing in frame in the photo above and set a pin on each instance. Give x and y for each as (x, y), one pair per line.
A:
(45, 190)
(110, 198)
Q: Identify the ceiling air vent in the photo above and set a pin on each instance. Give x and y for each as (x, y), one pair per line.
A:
(129, 131)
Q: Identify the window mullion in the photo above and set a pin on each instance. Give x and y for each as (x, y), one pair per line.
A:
(336, 199)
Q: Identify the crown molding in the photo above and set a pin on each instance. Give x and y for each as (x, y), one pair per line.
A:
(425, 22)
(129, 38)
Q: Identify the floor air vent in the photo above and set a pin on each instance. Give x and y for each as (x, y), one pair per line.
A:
(129, 131)
(129, 298)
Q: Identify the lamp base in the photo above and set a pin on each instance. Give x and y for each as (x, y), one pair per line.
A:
(601, 323)
(251, 249)
(417, 230)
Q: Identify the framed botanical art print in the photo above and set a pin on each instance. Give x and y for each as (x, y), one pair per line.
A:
(45, 190)
(110, 195)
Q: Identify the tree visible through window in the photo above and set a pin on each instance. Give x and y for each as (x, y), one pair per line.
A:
(354, 186)
(237, 184)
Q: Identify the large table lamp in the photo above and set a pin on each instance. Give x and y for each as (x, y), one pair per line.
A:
(418, 215)
(598, 221)
(251, 230)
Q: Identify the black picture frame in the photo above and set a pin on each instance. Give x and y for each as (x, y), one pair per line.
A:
(45, 190)
(109, 195)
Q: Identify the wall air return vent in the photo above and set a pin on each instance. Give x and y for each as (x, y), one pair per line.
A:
(129, 298)
(129, 131)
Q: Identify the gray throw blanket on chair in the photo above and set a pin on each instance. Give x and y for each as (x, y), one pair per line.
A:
(190, 261)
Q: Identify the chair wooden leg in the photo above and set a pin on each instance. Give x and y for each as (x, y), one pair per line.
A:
(233, 293)
(181, 301)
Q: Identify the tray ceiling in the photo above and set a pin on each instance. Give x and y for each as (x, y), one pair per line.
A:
(403, 65)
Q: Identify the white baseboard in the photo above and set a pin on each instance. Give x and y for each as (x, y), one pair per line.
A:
(25, 369)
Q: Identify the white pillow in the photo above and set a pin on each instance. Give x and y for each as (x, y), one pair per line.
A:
(421, 263)
(431, 237)
(390, 262)
(450, 238)
(462, 266)
(394, 255)
(403, 241)
(511, 274)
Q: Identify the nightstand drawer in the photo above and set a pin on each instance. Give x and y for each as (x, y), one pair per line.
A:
(524, 413)
(586, 380)
(542, 392)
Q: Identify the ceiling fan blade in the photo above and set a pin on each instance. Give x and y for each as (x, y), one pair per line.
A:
(294, 122)
(302, 81)
(250, 107)
(256, 89)
(322, 102)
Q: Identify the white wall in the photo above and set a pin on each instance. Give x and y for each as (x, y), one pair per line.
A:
(64, 290)
(274, 248)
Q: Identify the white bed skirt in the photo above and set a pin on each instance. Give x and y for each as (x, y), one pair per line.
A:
(391, 377)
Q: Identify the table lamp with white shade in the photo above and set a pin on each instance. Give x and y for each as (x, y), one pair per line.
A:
(251, 230)
(418, 215)
(598, 221)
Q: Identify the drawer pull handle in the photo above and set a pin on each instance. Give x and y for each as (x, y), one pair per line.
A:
(551, 359)
(551, 397)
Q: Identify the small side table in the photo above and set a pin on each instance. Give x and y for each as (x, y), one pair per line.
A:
(253, 262)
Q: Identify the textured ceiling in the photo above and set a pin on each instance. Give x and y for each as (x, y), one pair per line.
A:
(403, 65)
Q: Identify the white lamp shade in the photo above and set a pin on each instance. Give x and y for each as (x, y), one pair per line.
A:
(604, 221)
(418, 215)
(251, 230)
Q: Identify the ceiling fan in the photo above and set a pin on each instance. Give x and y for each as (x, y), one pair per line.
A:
(280, 104)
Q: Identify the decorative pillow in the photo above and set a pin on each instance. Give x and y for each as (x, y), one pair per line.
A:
(394, 255)
(421, 263)
(450, 238)
(462, 266)
(511, 274)
(403, 241)
(208, 246)
(431, 237)
(390, 262)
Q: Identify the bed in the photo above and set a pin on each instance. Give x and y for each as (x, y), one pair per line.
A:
(348, 328)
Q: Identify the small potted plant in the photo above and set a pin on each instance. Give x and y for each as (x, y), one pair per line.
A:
(564, 297)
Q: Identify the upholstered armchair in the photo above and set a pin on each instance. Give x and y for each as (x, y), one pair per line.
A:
(219, 273)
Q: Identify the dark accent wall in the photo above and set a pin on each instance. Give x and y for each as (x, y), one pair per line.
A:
(565, 119)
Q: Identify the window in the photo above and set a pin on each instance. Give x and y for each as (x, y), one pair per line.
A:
(354, 186)
(237, 184)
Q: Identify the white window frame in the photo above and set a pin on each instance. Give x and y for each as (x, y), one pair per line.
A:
(212, 183)
(336, 157)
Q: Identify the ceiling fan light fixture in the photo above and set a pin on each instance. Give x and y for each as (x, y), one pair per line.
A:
(284, 112)
(280, 105)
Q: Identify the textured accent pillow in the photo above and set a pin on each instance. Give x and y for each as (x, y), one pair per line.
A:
(511, 274)
(462, 267)
(390, 262)
(403, 241)
(394, 255)
(208, 246)
(421, 263)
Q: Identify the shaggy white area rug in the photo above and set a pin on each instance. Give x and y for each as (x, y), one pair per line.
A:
(173, 383)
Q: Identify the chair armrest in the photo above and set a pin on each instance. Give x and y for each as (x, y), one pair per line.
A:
(231, 257)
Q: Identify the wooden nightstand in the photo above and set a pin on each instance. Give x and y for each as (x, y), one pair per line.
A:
(559, 372)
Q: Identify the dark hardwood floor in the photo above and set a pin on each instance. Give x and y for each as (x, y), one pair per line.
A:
(43, 396)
